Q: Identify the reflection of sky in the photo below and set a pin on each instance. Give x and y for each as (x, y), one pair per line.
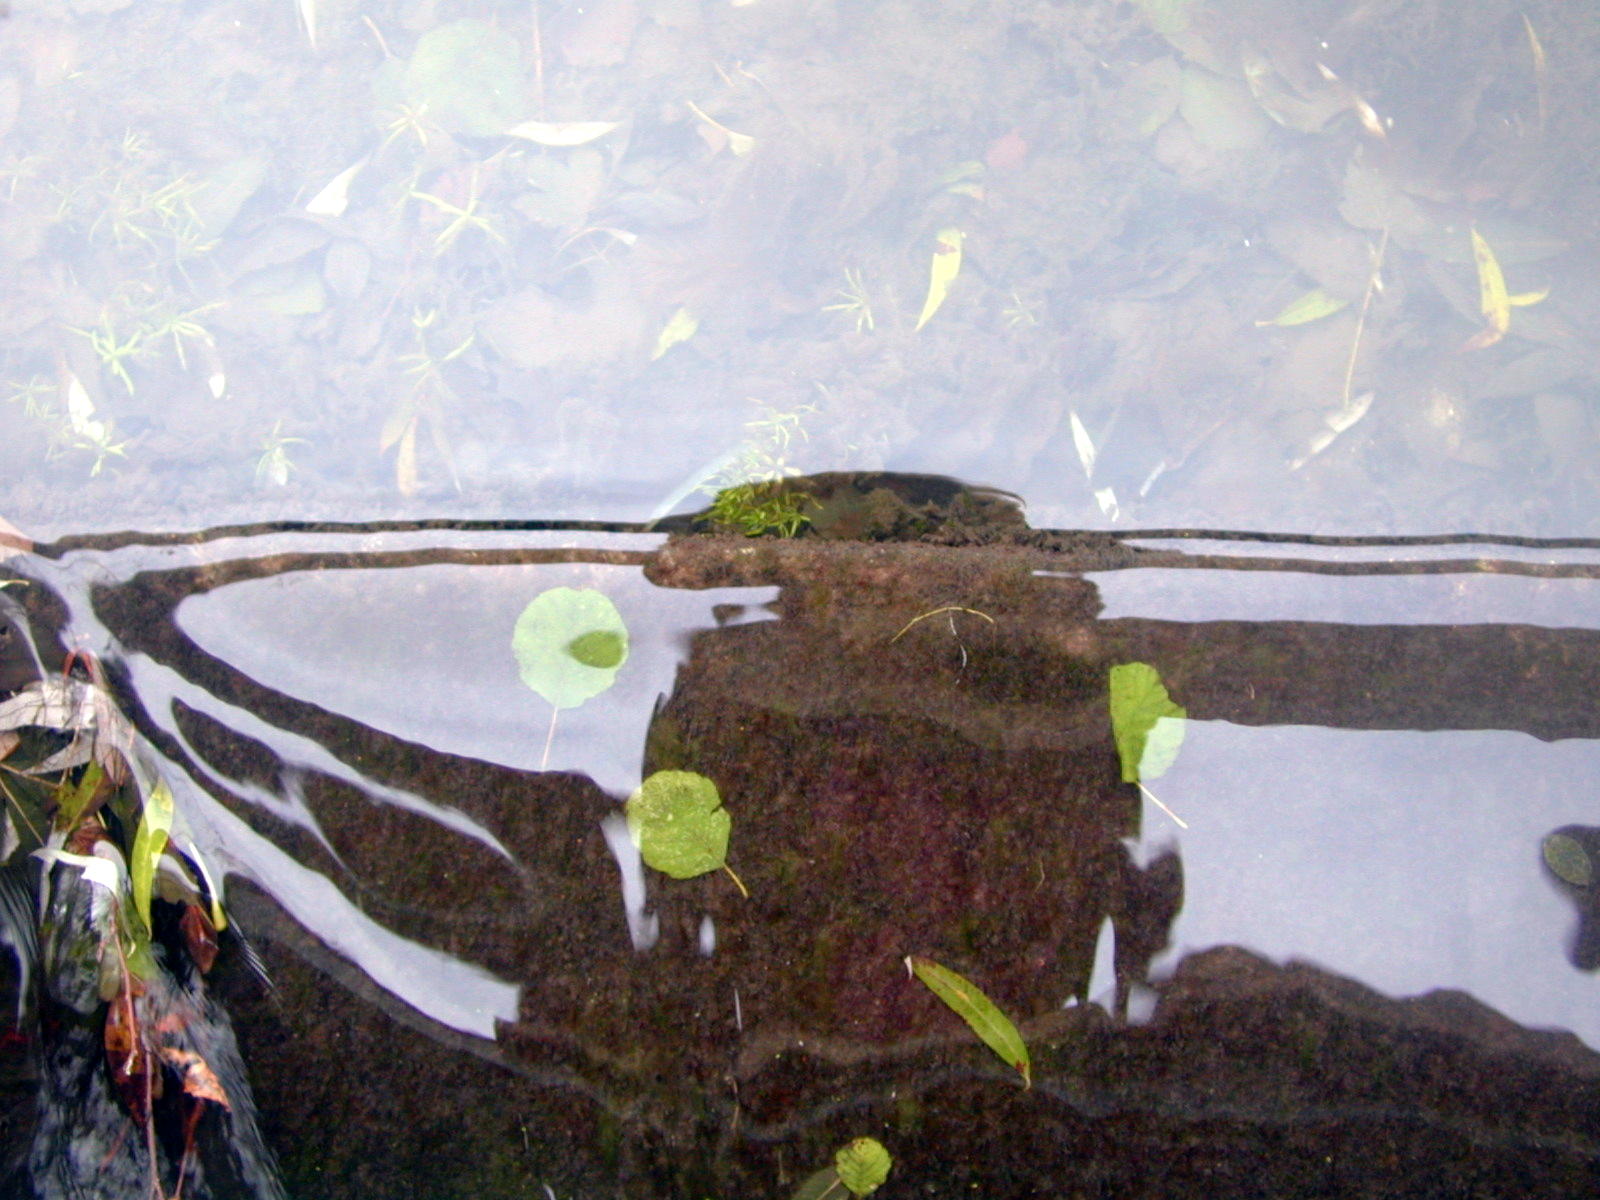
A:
(1465, 599)
(424, 654)
(1409, 861)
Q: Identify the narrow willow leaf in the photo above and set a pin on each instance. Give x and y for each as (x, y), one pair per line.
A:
(1311, 306)
(946, 266)
(820, 1185)
(1494, 300)
(148, 845)
(863, 1165)
(1147, 724)
(1568, 860)
(978, 1011)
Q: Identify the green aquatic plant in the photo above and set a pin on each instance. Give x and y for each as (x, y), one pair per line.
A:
(76, 427)
(275, 466)
(462, 217)
(134, 202)
(754, 509)
(423, 404)
(854, 302)
(752, 495)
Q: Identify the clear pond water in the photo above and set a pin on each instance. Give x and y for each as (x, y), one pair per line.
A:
(330, 349)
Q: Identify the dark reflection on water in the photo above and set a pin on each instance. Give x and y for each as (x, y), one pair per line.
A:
(476, 986)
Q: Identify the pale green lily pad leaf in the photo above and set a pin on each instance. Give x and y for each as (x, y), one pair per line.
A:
(863, 1165)
(677, 820)
(570, 643)
(1148, 725)
(466, 77)
(1567, 860)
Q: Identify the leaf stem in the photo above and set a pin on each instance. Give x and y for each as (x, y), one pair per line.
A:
(737, 882)
(550, 738)
(1156, 800)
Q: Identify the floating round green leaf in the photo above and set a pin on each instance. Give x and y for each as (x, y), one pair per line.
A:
(1147, 724)
(466, 77)
(1567, 860)
(862, 1165)
(678, 822)
(569, 644)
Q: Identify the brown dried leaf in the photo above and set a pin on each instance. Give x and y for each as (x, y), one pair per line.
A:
(200, 936)
(132, 1076)
(199, 1080)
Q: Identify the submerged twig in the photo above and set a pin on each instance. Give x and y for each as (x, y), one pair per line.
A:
(934, 612)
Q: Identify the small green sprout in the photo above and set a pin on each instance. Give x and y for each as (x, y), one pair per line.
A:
(113, 350)
(1020, 313)
(275, 466)
(750, 495)
(409, 119)
(854, 302)
(461, 219)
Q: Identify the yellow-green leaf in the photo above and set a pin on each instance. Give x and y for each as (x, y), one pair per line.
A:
(1494, 300)
(148, 845)
(677, 820)
(1147, 725)
(946, 266)
(1310, 306)
(978, 1011)
(862, 1165)
(680, 328)
(73, 799)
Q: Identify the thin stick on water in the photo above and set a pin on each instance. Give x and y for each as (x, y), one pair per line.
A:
(1156, 800)
(1374, 285)
(549, 738)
